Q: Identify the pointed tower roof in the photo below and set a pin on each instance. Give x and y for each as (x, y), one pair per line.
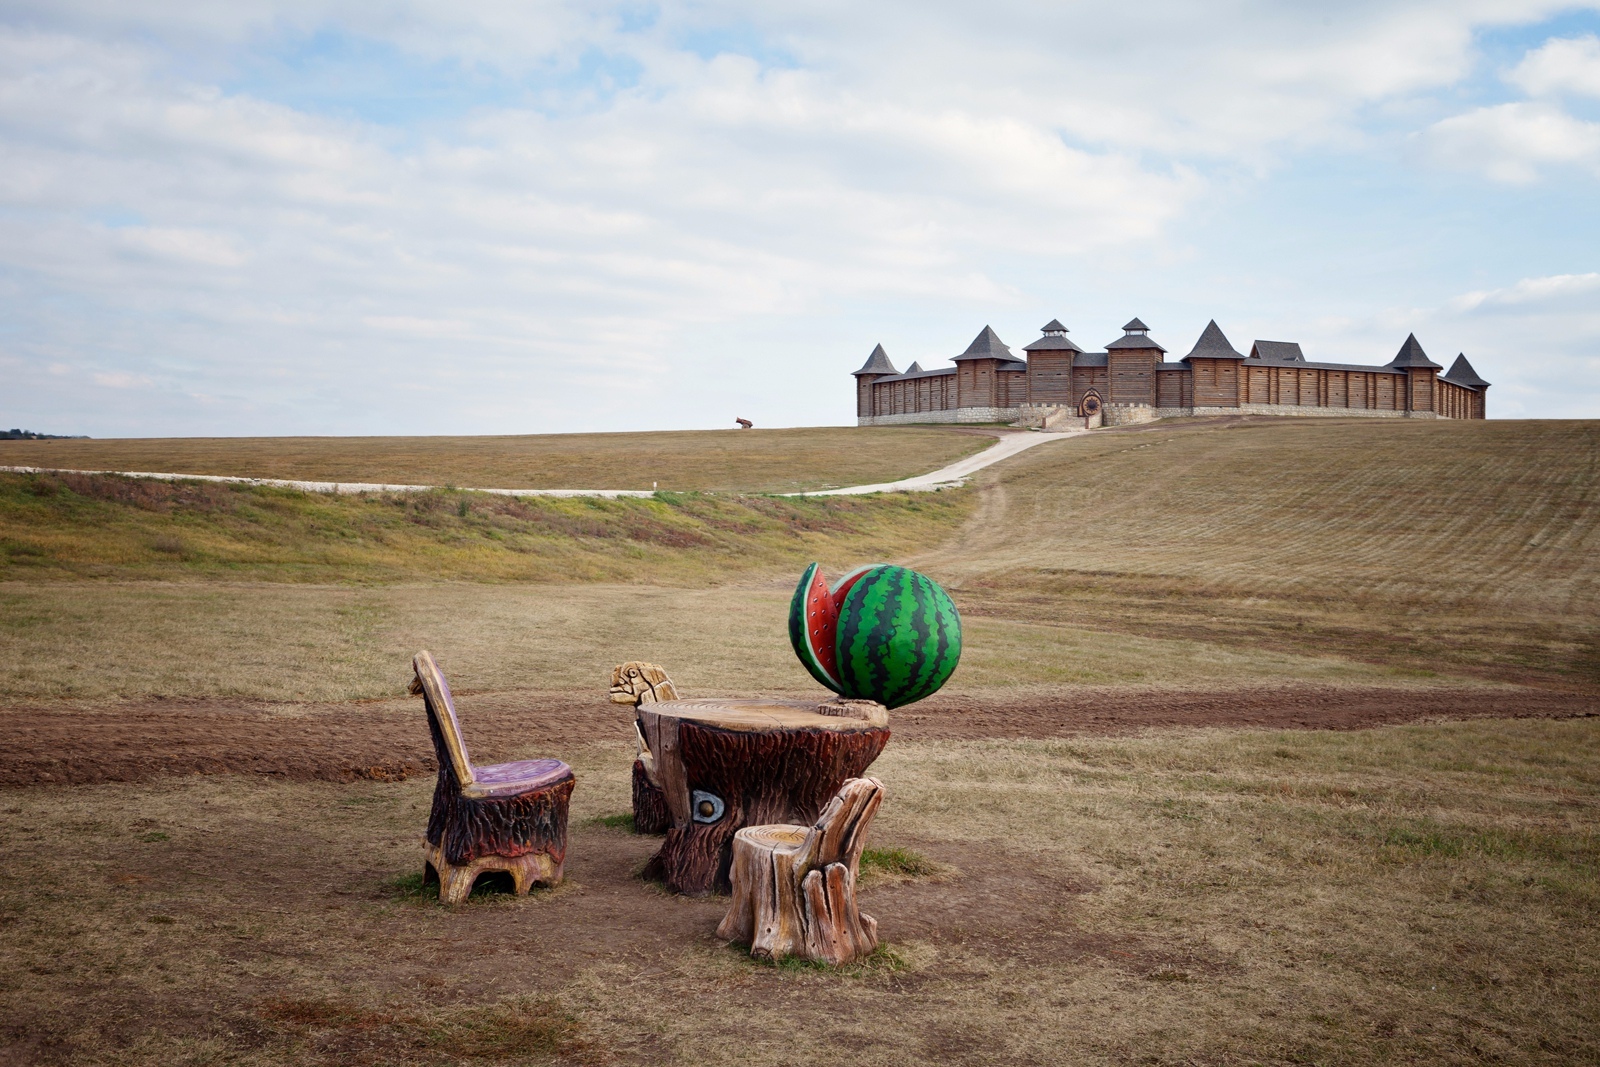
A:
(1412, 355)
(987, 345)
(915, 368)
(1135, 335)
(1284, 351)
(1461, 373)
(877, 363)
(1213, 345)
(1054, 339)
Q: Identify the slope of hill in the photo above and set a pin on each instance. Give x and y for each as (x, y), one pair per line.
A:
(753, 461)
(1464, 542)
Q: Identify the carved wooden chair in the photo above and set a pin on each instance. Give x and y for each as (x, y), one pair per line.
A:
(509, 817)
(794, 887)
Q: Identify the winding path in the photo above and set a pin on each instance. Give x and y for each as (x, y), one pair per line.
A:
(1007, 446)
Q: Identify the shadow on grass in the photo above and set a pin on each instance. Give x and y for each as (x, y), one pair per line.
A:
(492, 887)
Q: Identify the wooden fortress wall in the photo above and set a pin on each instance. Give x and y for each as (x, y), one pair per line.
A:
(980, 390)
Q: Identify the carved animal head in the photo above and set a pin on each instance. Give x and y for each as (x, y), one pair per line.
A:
(641, 683)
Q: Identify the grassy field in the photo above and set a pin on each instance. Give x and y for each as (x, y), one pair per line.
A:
(1423, 893)
(756, 461)
(100, 527)
(1456, 545)
(1197, 553)
(1417, 894)
(95, 641)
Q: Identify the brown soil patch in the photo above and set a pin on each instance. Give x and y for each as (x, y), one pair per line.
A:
(388, 741)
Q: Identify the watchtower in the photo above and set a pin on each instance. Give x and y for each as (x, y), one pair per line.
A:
(877, 366)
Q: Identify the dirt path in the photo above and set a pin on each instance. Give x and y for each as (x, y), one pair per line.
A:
(389, 741)
(1008, 445)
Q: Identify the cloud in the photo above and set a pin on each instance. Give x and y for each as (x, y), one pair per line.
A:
(1511, 142)
(1560, 65)
(1578, 290)
(514, 202)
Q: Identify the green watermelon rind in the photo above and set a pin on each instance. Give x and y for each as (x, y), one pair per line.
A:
(800, 633)
(900, 657)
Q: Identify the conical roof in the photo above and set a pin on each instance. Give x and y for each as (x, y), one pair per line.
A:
(987, 345)
(877, 363)
(1213, 345)
(1461, 373)
(915, 368)
(1054, 340)
(1135, 335)
(1412, 355)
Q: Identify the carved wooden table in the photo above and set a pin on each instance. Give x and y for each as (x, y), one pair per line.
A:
(722, 765)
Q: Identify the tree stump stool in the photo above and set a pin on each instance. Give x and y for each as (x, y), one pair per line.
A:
(509, 817)
(794, 887)
(722, 765)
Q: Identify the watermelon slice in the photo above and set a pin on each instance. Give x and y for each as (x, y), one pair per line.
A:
(814, 621)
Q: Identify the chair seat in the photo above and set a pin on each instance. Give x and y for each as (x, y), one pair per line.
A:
(509, 779)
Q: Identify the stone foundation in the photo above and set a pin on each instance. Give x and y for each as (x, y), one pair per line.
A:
(1124, 414)
(948, 415)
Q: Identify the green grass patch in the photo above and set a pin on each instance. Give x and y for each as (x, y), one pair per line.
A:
(618, 821)
(896, 861)
(104, 526)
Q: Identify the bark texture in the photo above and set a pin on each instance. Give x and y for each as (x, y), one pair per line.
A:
(781, 775)
(523, 833)
(794, 887)
(650, 814)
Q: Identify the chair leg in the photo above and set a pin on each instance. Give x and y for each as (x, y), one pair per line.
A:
(455, 883)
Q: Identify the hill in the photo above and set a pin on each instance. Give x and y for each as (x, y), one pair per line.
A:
(750, 461)
(1239, 553)
(1457, 543)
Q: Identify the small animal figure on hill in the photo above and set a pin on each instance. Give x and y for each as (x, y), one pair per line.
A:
(744, 424)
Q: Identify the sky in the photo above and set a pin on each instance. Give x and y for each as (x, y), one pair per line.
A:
(331, 217)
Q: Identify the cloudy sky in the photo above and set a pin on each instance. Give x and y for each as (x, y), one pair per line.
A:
(325, 216)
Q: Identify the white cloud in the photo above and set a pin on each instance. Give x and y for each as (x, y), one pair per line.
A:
(1510, 142)
(292, 258)
(1560, 65)
(1582, 289)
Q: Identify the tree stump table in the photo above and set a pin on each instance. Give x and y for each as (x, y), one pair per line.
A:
(722, 765)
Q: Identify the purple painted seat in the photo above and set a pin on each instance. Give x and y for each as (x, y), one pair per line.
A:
(505, 779)
(502, 817)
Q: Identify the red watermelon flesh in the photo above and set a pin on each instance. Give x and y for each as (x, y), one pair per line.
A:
(822, 619)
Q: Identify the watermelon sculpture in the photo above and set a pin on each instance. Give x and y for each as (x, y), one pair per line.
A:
(881, 633)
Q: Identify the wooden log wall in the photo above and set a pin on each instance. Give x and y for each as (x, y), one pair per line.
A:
(1050, 378)
(1132, 375)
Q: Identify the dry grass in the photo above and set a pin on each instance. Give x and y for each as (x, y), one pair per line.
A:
(1426, 893)
(97, 526)
(95, 641)
(758, 461)
(1463, 545)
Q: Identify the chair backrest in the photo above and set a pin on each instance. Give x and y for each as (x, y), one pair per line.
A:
(840, 833)
(442, 709)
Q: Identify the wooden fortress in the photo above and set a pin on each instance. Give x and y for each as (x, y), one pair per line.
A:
(1131, 381)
